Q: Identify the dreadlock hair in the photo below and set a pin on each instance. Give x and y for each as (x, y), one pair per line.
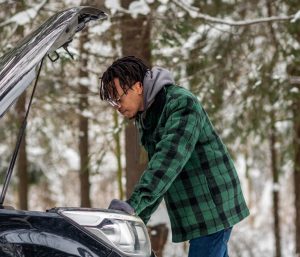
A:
(128, 70)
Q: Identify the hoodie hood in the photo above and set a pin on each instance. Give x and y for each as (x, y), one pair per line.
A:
(153, 82)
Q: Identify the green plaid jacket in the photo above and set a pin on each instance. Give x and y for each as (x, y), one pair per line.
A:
(188, 166)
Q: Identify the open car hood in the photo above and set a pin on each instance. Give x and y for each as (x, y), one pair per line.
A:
(18, 66)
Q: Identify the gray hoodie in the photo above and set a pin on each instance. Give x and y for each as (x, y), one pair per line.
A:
(154, 81)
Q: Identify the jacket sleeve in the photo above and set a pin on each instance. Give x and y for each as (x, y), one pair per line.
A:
(146, 213)
(172, 152)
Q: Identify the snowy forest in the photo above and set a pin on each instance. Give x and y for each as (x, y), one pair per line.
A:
(240, 57)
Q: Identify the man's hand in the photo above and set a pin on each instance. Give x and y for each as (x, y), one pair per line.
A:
(116, 204)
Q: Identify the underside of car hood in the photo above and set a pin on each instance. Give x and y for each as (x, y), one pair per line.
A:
(18, 66)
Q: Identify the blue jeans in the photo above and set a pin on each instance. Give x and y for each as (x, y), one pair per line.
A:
(214, 245)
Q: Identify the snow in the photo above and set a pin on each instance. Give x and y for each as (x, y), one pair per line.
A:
(36, 150)
(84, 81)
(3, 148)
(190, 43)
(168, 51)
(138, 7)
(163, 1)
(73, 2)
(295, 90)
(24, 17)
(53, 147)
(113, 6)
(276, 187)
(192, 11)
(72, 158)
(104, 50)
(296, 17)
(162, 9)
(101, 28)
(257, 83)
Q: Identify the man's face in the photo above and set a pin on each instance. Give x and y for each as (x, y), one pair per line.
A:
(132, 102)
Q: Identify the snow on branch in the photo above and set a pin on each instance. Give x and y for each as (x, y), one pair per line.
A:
(24, 17)
(296, 17)
(245, 22)
(194, 13)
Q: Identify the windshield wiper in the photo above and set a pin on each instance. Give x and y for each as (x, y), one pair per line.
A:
(18, 143)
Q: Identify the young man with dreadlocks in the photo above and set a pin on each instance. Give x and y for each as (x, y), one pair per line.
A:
(189, 166)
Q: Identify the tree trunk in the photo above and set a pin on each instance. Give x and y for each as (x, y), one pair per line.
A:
(136, 38)
(158, 236)
(250, 186)
(84, 125)
(118, 154)
(83, 121)
(135, 157)
(297, 173)
(135, 41)
(22, 164)
(294, 71)
(275, 175)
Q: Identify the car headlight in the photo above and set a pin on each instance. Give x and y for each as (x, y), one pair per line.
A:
(125, 232)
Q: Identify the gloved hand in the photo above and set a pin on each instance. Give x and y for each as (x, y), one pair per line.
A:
(120, 205)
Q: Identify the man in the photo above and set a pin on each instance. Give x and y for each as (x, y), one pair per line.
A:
(189, 166)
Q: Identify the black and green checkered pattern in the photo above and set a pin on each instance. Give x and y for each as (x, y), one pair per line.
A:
(189, 167)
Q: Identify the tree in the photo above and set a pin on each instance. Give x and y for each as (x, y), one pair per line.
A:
(22, 163)
(84, 124)
(135, 41)
(213, 66)
(293, 95)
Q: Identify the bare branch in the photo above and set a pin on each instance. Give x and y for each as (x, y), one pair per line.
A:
(294, 80)
(245, 22)
(195, 13)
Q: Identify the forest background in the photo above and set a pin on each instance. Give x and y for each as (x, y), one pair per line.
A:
(240, 57)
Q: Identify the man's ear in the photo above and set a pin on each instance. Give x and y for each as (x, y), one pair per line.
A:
(138, 87)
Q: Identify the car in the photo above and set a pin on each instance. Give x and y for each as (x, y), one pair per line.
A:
(64, 231)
